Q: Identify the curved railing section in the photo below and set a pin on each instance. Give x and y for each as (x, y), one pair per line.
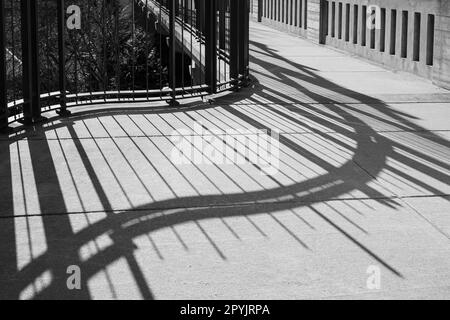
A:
(56, 54)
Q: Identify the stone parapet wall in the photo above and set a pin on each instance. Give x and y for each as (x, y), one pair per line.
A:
(410, 35)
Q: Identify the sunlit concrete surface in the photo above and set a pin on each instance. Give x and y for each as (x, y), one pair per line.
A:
(363, 185)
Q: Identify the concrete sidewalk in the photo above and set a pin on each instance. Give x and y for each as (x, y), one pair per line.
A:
(359, 207)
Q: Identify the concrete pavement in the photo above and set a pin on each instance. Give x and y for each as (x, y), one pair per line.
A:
(359, 207)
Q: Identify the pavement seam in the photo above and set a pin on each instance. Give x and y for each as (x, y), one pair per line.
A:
(431, 223)
(209, 135)
(228, 205)
(402, 199)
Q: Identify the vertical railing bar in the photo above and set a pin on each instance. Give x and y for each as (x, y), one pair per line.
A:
(75, 69)
(160, 50)
(243, 48)
(228, 35)
(234, 38)
(198, 19)
(30, 63)
(35, 62)
(46, 53)
(182, 49)
(117, 50)
(13, 46)
(216, 44)
(172, 52)
(146, 48)
(77, 63)
(222, 23)
(105, 75)
(192, 38)
(89, 35)
(62, 58)
(133, 43)
(240, 37)
(210, 46)
(3, 92)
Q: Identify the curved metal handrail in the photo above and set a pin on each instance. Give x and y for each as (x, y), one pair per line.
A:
(219, 62)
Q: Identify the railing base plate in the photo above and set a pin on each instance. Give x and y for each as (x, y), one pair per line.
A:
(29, 122)
(173, 103)
(64, 113)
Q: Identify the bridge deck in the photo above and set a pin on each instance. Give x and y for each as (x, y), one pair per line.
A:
(363, 185)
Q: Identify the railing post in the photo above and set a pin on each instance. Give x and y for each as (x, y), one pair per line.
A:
(211, 45)
(244, 27)
(239, 54)
(234, 39)
(222, 23)
(172, 52)
(3, 93)
(30, 62)
(62, 58)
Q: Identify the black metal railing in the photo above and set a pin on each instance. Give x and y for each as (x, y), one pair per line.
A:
(55, 54)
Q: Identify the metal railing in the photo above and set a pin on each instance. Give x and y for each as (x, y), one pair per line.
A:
(55, 54)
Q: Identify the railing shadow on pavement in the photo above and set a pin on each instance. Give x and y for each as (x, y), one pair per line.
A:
(330, 111)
